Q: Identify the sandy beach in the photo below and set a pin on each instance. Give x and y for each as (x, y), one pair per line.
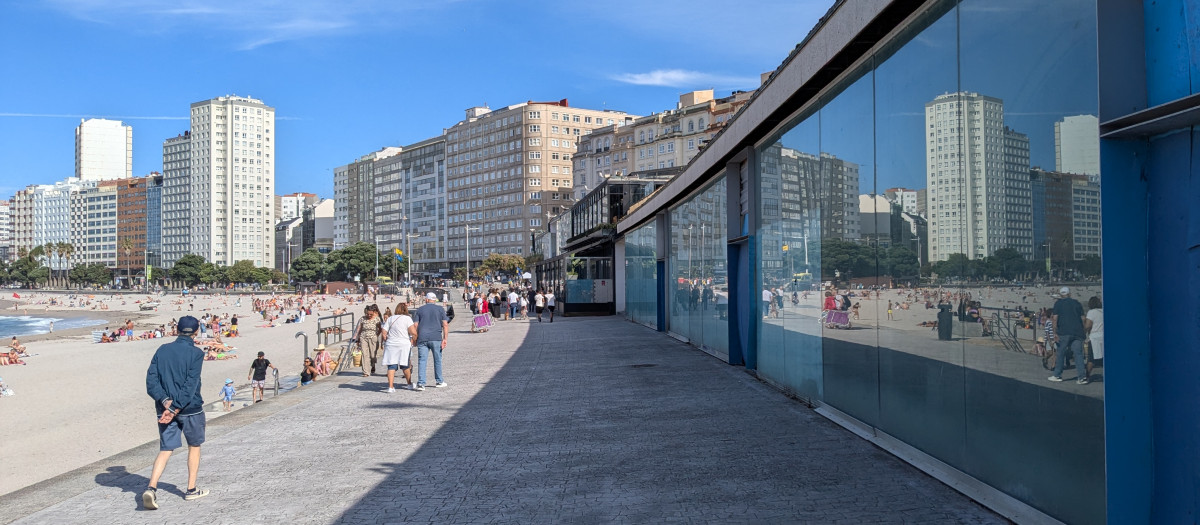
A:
(77, 402)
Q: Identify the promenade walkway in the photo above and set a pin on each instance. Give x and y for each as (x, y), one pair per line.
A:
(592, 420)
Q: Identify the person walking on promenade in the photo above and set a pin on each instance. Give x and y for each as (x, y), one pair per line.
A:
(368, 338)
(1068, 322)
(399, 333)
(173, 381)
(514, 303)
(258, 376)
(550, 304)
(432, 328)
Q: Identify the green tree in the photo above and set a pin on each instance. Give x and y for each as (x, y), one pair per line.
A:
(242, 272)
(500, 263)
(126, 247)
(354, 260)
(956, 265)
(309, 266)
(90, 273)
(1089, 266)
(1008, 263)
(901, 262)
(187, 269)
(850, 259)
(211, 274)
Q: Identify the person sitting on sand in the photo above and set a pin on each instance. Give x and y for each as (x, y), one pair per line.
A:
(16, 345)
(11, 358)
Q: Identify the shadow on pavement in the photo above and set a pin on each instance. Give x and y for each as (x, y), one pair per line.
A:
(568, 430)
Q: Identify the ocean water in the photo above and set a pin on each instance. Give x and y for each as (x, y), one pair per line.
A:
(19, 325)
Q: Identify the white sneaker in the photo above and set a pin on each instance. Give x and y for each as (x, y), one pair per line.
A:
(391, 390)
(440, 385)
(419, 388)
(1056, 379)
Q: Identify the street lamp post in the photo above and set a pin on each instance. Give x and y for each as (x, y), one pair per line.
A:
(288, 265)
(408, 267)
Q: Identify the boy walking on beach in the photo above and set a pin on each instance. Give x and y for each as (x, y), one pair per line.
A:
(173, 381)
(258, 376)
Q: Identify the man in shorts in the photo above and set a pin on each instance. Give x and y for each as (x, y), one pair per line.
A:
(173, 381)
(258, 376)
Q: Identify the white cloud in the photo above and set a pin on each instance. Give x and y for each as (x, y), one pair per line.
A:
(683, 78)
(252, 23)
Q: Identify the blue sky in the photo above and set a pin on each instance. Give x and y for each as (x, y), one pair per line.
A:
(348, 77)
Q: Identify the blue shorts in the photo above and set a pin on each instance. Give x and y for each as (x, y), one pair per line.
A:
(394, 367)
(190, 426)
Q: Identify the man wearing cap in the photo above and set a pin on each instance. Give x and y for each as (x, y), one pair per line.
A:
(173, 381)
(1068, 320)
(432, 327)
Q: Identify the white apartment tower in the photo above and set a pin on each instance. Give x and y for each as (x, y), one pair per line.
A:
(220, 205)
(1077, 145)
(507, 170)
(976, 186)
(103, 150)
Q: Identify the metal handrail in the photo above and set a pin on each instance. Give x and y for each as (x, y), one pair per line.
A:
(324, 324)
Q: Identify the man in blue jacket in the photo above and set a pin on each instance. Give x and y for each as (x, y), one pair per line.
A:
(173, 381)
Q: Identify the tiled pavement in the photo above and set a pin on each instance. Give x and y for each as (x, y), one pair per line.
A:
(584, 420)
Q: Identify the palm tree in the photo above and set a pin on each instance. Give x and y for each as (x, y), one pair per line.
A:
(126, 246)
(65, 250)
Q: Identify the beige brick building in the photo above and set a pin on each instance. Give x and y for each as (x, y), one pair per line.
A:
(506, 169)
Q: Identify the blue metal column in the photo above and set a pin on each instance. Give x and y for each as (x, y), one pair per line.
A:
(1150, 56)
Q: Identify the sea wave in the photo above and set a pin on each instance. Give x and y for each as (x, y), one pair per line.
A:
(18, 325)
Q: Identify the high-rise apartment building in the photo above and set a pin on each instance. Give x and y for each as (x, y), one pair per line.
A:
(410, 204)
(176, 218)
(93, 220)
(22, 220)
(52, 216)
(354, 196)
(977, 178)
(1017, 227)
(136, 202)
(154, 226)
(7, 253)
(103, 150)
(228, 199)
(291, 206)
(507, 168)
(906, 198)
(1077, 145)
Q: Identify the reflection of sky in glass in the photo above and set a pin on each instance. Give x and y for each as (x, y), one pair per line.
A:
(1038, 57)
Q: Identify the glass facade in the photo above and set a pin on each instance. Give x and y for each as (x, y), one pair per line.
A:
(641, 275)
(698, 281)
(981, 115)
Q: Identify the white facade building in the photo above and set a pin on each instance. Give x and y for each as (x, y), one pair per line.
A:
(1077, 145)
(977, 187)
(220, 205)
(93, 223)
(906, 198)
(103, 150)
(7, 252)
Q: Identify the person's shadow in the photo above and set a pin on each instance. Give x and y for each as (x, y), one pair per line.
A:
(134, 484)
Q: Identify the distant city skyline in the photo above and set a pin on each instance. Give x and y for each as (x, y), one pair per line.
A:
(143, 65)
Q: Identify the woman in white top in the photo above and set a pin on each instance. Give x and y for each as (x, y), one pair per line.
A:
(1095, 315)
(399, 334)
(550, 304)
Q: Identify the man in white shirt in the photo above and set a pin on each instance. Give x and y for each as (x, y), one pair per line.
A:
(550, 304)
(514, 304)
(539, 302)
(766, 299)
